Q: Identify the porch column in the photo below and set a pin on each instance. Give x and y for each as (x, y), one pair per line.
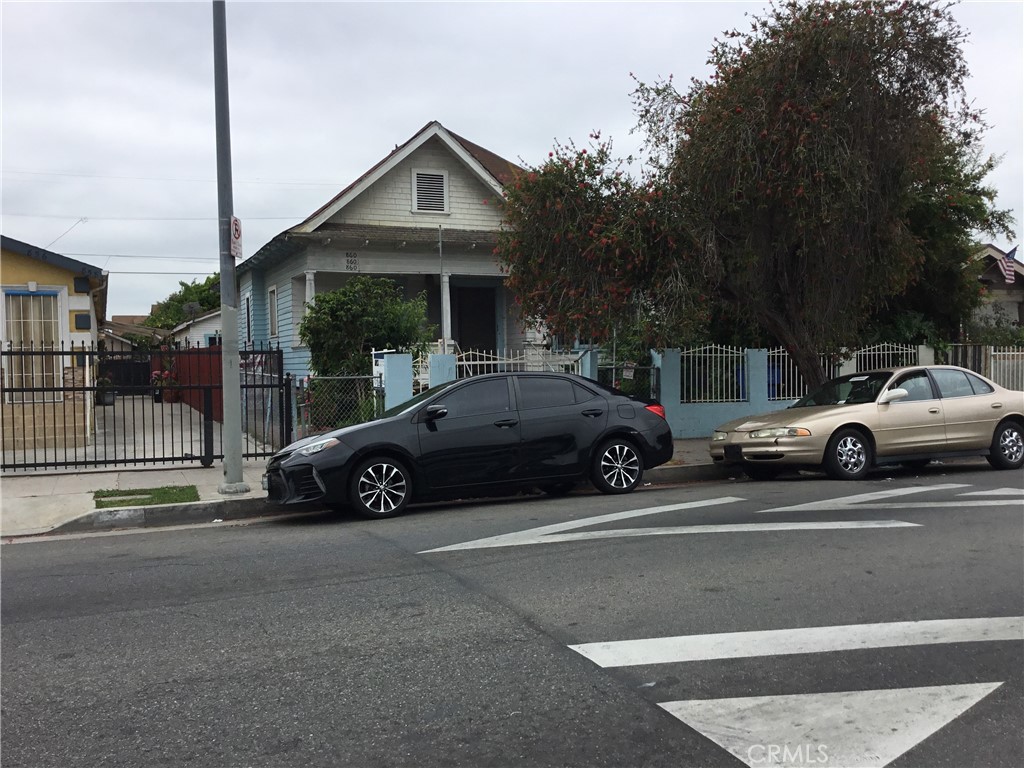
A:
(446, 311)
(310, 288)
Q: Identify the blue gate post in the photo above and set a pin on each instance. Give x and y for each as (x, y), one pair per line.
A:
(442, 369)
(397, 378)
(588, 363)
(667, 363)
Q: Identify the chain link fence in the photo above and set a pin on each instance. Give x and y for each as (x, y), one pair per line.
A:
(329, 402)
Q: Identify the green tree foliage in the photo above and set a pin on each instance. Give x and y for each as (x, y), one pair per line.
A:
(344, 326)
(812, 165)
(587, 251)
(182, 304)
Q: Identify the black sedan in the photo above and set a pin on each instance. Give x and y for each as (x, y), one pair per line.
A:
(478, 437)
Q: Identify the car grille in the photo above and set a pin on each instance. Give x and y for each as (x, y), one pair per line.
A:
(307, 484)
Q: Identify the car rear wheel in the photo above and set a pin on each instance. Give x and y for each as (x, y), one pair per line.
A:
(618, 467)
(1007, 451)
(848, 455)
(381, 487)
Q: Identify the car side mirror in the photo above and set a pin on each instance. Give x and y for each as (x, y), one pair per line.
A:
(435, 412)
(891, 395)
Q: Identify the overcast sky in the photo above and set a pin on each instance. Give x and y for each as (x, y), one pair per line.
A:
(108, 140)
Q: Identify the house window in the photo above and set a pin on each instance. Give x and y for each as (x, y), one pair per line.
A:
(430, 191)
(272, 310)
(248, 319)
(33, 326)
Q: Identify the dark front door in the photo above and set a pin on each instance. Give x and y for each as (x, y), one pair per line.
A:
(475, 322)
(477, 442)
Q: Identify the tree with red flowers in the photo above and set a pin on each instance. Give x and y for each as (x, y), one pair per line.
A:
(588, 251)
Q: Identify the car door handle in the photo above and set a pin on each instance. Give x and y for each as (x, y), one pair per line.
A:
(997, 405)
(933, 410)
(506, 423)
(592, 412)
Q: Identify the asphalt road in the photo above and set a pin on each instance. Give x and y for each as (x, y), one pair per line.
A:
(506, 633)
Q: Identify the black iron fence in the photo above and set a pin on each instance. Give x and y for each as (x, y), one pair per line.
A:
(83, 407)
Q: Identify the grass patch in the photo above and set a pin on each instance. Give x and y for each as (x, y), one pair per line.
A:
(145, 497)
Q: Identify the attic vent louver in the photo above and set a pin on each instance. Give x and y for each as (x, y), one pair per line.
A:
(431, 191)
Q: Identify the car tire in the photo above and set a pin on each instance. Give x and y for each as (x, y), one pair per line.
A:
(848, 455)
(1007, 451)
(761, 472)
(381, 487)
(618, 467)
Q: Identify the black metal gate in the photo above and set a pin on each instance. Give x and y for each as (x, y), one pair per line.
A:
(83, 407)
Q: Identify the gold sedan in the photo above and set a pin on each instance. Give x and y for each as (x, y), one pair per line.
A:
(899, 416)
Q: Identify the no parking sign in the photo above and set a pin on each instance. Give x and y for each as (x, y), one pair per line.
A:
(236, 237)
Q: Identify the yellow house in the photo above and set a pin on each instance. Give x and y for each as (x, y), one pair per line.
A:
(50, 305)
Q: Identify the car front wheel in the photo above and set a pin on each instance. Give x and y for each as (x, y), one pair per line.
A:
(618, 467)
(1007, 451)
(848, 455)
(381, 487)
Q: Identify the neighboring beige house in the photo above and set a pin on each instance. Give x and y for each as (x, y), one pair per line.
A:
(427, 215)
(1004, 299)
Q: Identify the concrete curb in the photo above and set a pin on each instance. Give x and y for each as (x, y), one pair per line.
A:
(249, 507)
(170, 514)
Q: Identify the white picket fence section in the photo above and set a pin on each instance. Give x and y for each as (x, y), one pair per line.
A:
(473, 362)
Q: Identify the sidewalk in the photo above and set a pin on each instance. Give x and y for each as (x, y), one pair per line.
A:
(50, 502)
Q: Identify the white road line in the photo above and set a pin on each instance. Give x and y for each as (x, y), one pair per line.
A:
(846, 502)
(842, 729)
(997, 492)
(557, 538)
(781, 642)
(531, 535)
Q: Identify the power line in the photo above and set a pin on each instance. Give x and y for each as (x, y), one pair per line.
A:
(148, 218)
(171, 178)
(120, 272)
(139, 256)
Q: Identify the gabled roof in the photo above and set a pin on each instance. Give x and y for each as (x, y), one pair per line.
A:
(41, 254)
(493, 171)
(993, 272)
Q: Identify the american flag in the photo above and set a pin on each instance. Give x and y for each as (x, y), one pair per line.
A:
(1006, 264)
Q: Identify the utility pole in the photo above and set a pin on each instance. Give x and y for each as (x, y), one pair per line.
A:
(231, 441)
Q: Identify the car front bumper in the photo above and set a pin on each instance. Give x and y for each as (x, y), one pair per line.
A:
(738, 448)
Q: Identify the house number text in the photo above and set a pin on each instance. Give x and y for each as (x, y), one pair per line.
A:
(351, 261)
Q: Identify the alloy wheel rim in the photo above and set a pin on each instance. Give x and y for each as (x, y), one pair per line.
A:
(382, 488)
(1011, 444)
(850, 453)
(620, 466)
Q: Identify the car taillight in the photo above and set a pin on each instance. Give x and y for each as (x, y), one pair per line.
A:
(657, 410)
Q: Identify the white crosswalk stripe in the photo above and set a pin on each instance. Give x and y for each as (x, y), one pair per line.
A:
(839, 729)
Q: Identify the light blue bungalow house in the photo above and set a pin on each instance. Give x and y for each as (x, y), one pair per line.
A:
(427, 216)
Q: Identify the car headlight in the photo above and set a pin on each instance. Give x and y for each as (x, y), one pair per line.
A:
(319, 445)
(781, 432)
(719, 436)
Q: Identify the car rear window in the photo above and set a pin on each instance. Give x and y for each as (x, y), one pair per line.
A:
(545, 392)
(952, 383)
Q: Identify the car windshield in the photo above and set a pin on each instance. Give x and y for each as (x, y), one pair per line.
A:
(854, 389)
